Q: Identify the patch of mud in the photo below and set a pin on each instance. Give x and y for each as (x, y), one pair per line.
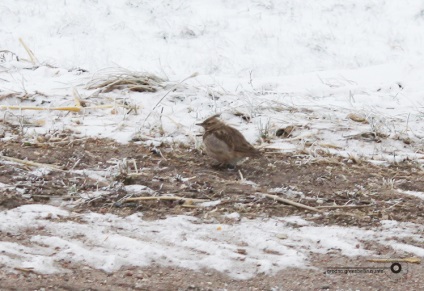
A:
(168, 278)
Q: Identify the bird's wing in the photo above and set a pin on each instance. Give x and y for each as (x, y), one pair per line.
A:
(235, 140)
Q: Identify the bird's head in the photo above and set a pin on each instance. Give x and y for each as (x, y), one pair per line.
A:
(211, 123)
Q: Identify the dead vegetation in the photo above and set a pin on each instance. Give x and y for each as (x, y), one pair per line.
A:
(109, 80)
(104, 176)
(103, 81)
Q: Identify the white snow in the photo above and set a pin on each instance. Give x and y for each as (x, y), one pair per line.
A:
(413, 193)
(233, 215)
(307, 63)
(210, 203)
(304, 63)
(40, 172)
(108, 242)
(217, 38)
(5, 186)
(138, 190)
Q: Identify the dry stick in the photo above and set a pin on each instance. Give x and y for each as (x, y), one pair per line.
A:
(412, 260)
(32, 164)
(275, 197)
(169, 91)
(166, 198)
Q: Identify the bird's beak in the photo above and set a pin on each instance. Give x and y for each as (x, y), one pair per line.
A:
(199, 124)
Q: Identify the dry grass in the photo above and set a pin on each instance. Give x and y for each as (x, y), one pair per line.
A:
(108, 81)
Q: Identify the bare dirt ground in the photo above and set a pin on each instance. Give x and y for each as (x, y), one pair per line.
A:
(324, 180)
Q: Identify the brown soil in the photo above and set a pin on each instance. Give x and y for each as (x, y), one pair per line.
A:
(324, 181)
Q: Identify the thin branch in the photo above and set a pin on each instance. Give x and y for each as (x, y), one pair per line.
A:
(284, 200)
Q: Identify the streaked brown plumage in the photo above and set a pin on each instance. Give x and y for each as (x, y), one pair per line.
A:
(225, 143)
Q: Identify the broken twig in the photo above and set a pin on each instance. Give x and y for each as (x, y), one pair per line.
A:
(284, 200)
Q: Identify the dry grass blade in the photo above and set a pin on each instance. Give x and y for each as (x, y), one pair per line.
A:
(275, 197)
(77, 98)
(66, 108)
(29, 52)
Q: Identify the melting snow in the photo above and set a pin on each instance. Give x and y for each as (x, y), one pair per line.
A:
(111, 242)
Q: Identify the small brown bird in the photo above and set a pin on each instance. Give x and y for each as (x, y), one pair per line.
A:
(225, 143)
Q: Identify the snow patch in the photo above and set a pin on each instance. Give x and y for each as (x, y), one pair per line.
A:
(111, 242)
